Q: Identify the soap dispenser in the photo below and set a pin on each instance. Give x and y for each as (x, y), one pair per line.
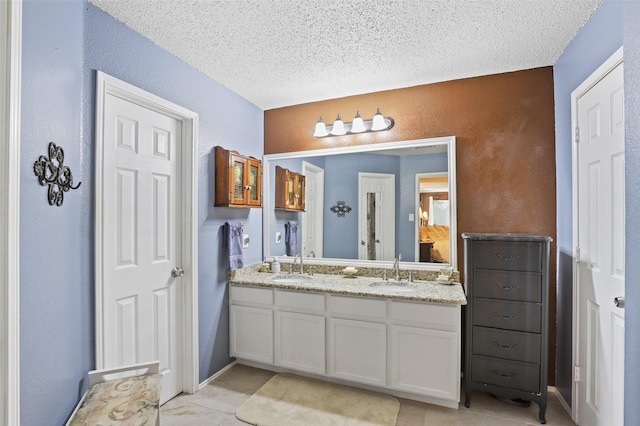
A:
(275, 266)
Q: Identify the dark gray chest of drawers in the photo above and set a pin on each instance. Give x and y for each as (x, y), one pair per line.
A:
(507, 286)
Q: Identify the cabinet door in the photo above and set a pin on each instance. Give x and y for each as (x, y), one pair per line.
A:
(237, 179)
(253, 181)
(425, 362)
(358, 351)
(300, 342)
(251, 333)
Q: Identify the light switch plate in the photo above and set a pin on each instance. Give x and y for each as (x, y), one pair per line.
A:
(411, 217)
(245, 240)
(278, 237)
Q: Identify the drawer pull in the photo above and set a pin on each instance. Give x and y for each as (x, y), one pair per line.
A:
(504, 316)
(501, 346)
(507, 287)
(506, 258)
(505, 375)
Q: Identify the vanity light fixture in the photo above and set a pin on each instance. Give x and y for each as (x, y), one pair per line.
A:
(339, 127)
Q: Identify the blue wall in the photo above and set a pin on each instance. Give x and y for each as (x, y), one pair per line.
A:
(632, 193)
(56, 245)
(278, 218)
(64, 43)
(598, 40)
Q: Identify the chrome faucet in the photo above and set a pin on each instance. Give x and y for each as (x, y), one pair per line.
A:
(311, 254)
(301, 265)
(396, 267)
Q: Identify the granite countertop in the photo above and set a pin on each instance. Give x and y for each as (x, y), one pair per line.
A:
(418, 291)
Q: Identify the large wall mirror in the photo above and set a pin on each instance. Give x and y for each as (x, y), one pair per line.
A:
(367, 204)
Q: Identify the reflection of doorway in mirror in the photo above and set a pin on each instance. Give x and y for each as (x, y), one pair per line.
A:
(376, 232)
(312, 220)
(433, 210)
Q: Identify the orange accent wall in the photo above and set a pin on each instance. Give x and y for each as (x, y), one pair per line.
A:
(505, 134)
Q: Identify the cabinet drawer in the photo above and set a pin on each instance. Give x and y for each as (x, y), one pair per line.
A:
(511, 256)
(509, 374)
(298, 300)
(509, 285)
(513, 345)
(435, 315)
(251, 295)
(358, 306)
(506, 315)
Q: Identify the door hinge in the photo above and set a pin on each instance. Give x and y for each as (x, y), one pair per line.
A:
(577, 135)
(577, 251)
(576, 374)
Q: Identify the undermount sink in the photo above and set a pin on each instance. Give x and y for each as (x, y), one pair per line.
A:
(396, 286)
(291, 279)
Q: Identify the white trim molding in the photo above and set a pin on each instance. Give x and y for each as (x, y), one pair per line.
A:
(10, 72)
(107, 84)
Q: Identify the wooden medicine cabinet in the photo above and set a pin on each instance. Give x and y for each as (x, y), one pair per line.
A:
(289, 190)
(238, 180)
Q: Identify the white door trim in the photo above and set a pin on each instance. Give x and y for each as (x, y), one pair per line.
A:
(10, 80)
(319, 191)
(188, 194)
(604, 69)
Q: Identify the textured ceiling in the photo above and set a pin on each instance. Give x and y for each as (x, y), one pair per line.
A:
(284, 52)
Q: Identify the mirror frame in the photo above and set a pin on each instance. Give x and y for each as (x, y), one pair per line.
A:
(268, 201)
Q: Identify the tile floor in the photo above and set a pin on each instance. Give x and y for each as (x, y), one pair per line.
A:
(217, 402)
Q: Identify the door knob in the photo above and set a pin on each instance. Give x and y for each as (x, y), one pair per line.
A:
(619, 302)
(177, 272)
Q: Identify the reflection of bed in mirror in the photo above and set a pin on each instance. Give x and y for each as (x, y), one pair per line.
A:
(437, 240)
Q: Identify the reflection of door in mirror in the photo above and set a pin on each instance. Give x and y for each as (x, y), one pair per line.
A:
(312, 221)
(433, 212)
(376, 216)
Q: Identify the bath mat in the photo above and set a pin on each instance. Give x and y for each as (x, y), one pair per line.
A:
(288, 400)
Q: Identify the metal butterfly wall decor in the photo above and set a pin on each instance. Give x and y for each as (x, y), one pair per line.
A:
(52, 172)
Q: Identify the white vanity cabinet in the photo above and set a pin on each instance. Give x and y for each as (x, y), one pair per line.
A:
(409, 349)
(357, 337)
(251, 323)
(425, 349)
(300, 331)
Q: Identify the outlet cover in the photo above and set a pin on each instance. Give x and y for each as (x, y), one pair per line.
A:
(245, 240)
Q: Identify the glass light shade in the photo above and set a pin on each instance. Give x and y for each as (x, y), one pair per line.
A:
(378, 122)
(321, 129)
(358, 124)
(338, 127)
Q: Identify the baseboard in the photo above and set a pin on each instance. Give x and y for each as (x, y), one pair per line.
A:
(564, 403)
(216, 375)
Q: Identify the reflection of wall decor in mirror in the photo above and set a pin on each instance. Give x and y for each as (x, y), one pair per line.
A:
(52, 172)
(338, 176)
(340, 208)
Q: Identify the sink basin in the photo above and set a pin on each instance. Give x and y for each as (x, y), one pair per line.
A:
(291, 279)
(395, 286)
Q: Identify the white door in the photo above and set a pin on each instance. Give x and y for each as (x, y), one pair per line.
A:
(142, 301)
(601, 243)
(376, 216)
(313, 219)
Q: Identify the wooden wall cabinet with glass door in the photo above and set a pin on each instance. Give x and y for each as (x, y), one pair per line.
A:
(238, 179)
(289, 190)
